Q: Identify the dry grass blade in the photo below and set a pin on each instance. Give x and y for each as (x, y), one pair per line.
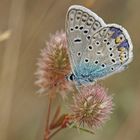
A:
(10, 64)
(5, 35)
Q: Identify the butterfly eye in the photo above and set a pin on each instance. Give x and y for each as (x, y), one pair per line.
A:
(71, 77)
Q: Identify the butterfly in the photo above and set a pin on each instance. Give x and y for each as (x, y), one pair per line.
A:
(96, 49)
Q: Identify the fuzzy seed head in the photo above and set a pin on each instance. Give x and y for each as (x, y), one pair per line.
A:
(53, 65)
(92, 107)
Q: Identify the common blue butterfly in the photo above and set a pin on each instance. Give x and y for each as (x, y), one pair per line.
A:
(96, 49)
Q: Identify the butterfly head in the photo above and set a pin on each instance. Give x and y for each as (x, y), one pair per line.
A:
(70, 77)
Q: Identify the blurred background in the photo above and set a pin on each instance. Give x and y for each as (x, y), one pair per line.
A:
(25, 26)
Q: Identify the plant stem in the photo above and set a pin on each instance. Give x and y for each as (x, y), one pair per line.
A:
(48, 118)
(55, 132)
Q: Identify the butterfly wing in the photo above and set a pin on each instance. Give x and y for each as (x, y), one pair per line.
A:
(81, 24)
(109, 52)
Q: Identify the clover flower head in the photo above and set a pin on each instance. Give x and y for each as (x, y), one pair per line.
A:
(92, 107)
(53, 65)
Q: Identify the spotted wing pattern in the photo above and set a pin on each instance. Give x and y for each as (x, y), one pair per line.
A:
(81, 24)
(96, 50)
(109, 52)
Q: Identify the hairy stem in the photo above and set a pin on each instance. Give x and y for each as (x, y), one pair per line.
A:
(48, 119)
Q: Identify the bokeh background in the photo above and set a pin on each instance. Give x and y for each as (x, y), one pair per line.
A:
(30, 22)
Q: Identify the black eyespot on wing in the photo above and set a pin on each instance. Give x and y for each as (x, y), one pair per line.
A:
(81, 28)
(112, 68)
(98, 52)
(77, 40)
(86, 60)
(96, 62)
(121, 37)
(85, 31)
(90, 47)
(105, 40)
(113, 60)
(71, 29)
(78, 53)
(76, 27)
(97, 43)
(108, 43)
(103, 65)
(88, 37)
